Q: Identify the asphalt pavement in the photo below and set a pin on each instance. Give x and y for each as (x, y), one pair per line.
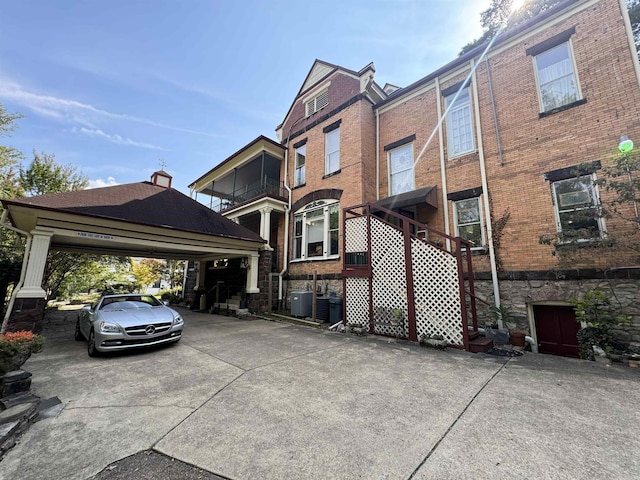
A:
(248, 399)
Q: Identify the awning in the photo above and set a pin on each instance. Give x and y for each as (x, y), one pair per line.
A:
(426, 195)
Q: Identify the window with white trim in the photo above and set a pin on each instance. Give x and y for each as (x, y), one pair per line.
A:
(576, 205)
(317, 103)
(557, 83)
(467, 215)
(315, 231)
(401, 176)
(301, 157)
(332, 151)
(459, 124)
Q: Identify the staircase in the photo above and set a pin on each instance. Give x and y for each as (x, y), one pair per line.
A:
(395, 264)
(231, 305)
(478, 344)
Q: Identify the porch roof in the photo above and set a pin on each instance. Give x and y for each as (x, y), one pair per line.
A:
(247, 153)
(426, 195)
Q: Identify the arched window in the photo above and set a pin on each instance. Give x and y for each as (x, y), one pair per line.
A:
(315, 230)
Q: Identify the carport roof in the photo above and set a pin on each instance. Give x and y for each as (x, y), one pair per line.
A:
(142, 203)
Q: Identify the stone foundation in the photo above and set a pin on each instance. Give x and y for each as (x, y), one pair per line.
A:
(519, 294)
(326, 287)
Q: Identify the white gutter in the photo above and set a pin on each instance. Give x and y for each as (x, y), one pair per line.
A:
(485, 191)
(287, 214)
(377, 154)
(25, 259)
(443, 173)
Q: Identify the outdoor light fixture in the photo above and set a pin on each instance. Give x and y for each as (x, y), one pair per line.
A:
(244, 263)
(625, 145)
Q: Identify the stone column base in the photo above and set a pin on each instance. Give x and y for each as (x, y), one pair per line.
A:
(27, 314)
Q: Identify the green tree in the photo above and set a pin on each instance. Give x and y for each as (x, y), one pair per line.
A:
(174, 272)
(498, 16)
(147, 271)
(11, 244)
(45, 175)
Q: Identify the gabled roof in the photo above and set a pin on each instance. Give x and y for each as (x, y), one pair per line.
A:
(258, 140)
(141, 203)
(320, 71)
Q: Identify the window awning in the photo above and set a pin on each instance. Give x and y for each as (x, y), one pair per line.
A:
(426, 195)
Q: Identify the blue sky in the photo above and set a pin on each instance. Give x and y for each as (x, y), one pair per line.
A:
(111, 87)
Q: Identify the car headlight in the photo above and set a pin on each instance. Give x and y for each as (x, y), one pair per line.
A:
(177, 320)
(109, 327)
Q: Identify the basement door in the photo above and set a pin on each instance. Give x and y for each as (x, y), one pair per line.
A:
(557, 330)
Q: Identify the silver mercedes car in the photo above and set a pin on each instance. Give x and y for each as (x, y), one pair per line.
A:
(119, 322)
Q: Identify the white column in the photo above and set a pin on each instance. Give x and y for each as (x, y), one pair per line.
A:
(265, 223)
(200, 272)
(32, 286)
(252, 274)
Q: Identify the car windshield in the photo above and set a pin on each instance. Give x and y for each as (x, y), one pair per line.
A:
(129, 302)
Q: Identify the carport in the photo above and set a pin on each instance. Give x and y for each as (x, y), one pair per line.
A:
(145, 219)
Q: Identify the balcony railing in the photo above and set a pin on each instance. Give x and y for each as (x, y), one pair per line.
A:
(265, 187)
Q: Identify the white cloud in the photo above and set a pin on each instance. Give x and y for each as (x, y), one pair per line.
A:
(98, 183)
(74, 111)
(115, 138)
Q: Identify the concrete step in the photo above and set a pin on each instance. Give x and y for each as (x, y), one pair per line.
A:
(480, 345)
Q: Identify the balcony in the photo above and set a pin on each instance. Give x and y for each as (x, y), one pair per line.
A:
(266, 187)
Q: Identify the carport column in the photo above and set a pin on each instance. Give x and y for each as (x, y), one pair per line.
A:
(28, 309)
(200, 273)
(265, 223)
(32, 287)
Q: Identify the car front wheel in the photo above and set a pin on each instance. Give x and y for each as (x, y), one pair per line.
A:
(78, 333)
(91, 346)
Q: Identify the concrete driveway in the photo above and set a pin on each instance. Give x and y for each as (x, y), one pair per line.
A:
(249, 399)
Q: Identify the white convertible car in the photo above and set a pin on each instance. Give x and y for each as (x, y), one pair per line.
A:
(119, 322)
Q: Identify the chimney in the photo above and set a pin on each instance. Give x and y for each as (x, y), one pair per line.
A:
(161, 179)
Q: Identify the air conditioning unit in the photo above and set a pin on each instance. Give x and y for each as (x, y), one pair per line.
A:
(301, 304)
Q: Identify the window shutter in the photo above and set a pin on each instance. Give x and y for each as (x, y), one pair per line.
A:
(322, 100)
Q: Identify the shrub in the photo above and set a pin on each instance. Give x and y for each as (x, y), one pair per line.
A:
(21, 342)
(595, 309)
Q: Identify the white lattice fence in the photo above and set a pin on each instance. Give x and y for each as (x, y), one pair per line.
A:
(435, 281)
(355, 235)
(436, 292)
(357, 301)
(389, 279)
(356, 289)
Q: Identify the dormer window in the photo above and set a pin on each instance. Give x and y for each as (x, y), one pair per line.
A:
(317, 103)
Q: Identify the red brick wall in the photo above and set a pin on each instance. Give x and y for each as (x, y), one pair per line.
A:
(532, 145)
(357, 163)
(342, 89)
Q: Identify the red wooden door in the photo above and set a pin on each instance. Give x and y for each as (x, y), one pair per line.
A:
(557, 330)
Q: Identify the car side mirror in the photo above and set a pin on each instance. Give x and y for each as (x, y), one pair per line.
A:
(165, 303)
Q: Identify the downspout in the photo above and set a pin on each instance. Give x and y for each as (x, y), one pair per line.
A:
(629, 32)
(485, 190)
(495, 112)
(25, 258)
(287, 216)
(377, 154)
(443, 173)
(287, 213)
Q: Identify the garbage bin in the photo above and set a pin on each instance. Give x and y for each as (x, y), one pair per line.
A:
(335, 310)
(322, 309)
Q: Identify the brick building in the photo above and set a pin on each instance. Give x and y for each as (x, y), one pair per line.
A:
(499, 147)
